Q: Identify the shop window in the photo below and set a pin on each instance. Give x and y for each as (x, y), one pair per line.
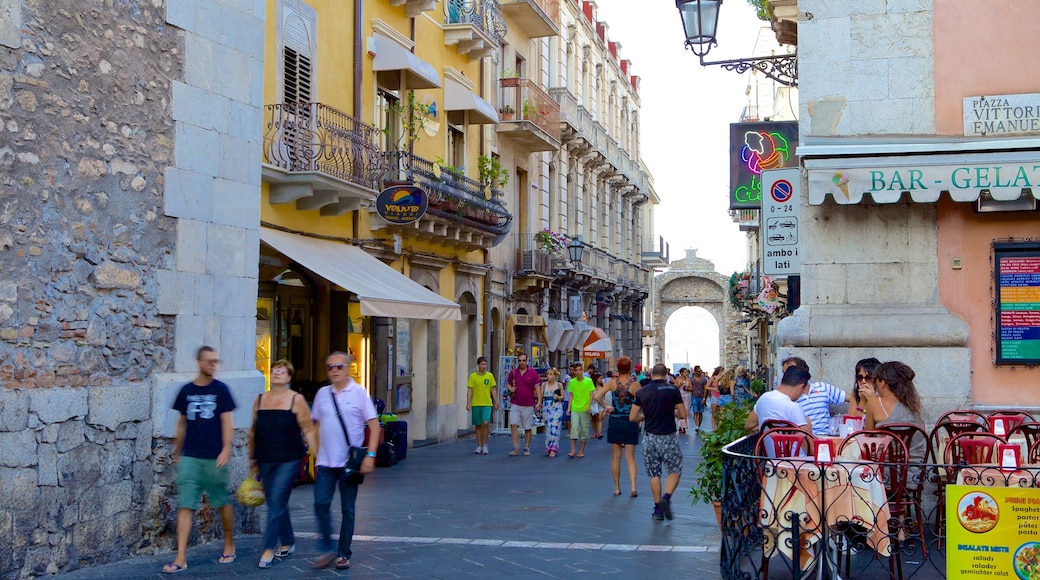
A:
(388, 119)
(456, 148)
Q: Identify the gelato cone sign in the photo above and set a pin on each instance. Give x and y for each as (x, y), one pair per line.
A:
(754, 148)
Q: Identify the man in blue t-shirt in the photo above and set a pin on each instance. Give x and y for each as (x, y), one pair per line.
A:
(201, 450)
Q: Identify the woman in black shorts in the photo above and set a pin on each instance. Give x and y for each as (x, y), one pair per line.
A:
(622, 434)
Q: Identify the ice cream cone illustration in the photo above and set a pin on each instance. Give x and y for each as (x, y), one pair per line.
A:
(842, 181)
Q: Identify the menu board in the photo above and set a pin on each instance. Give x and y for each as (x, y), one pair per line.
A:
(1018, 303)
(992, 532)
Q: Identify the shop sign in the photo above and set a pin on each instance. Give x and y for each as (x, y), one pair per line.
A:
(1018, 302)
(781, 214)
(926, 182)
(401, 204)
(992, 531)
(1002, 115)
(754, 148)
(529, 320)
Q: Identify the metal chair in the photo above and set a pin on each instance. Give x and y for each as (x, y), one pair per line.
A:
(781, 443)
(1028, 429)
(964, 449)
(774, 423)
(912, 436)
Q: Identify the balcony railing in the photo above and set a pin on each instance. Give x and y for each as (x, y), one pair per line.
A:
(532, 257)
(485, 15)
(452, 196)
(530, 103)
(312, 137)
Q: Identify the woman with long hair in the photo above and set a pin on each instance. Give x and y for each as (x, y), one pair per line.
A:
(596, 410)
(893, 398)
(281, 424)
(713, 393)
(864, 376)
(553, 395)
(622, 434)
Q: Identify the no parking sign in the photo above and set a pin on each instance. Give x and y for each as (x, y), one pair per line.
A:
(781, 214)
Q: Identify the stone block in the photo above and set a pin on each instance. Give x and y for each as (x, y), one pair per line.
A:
(884, 117)
(197, 149)
(118, 498)
(253, 266)
(833, 33)
(19, 449)
(80, 468)
(188, 195)
(191, 248)
(256, 95)
(182, 13)
(210, 19)
(239, 354)
(8, 292)
(198, 61)
(111, 275)
(231, 301)
(143, 441)
(247, 122)
(227, 251)
(898, 35)
(11, 23)
(191, 334)
(251, 36)
(825, 283)
(171, 297)
(70, 436)
(58, 404)
(240, 163)
(14, 410)
(839, 8)
(47, 464)
(111, 405)
(916, 78)
(117, 460)
(235, 203)
(201, 108)
(231, 72)
(18, 487)
(205, 295)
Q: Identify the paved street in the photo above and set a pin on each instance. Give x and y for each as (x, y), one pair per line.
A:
(448, 513)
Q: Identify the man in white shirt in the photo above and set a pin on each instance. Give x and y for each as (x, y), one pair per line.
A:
(818, 398)
(779, 404)
(347, 400)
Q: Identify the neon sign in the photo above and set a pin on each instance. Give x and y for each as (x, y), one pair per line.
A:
(754, 148)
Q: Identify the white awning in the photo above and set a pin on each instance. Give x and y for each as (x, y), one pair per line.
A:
(381, 290)
(581, 332)
(885, 169)
(556, 330)
(458, 99)
(391, 56)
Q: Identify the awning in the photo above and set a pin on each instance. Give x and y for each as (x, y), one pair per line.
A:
(581, 332)
(597, 345)
(555, 330)
(391, 56)
(382, 290)
(848, 169)
(458, 99)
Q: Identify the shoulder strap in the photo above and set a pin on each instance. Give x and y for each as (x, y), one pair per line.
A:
(340, 417)
(292, 402)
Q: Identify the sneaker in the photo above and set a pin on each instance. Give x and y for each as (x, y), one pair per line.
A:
(666, 507)
(657, 515)
(484, 450)
(479, 450)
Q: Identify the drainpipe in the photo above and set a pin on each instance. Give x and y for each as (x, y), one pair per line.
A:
(358, 59)
(487, 305)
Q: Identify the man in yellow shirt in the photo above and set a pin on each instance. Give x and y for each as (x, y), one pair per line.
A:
(580, 387)
(481, 402)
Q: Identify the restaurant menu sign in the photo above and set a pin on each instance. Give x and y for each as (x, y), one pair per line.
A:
(1018, 303)
(992, 532)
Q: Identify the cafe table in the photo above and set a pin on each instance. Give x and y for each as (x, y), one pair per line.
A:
(848, 491)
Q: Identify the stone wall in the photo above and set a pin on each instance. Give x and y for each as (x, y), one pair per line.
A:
(97, 324)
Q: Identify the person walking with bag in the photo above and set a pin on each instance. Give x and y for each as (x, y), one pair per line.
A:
(281, 421)
(341, 412)
(553, 395)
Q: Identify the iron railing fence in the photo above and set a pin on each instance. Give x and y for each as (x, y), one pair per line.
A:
(832, 519)
(302, 137)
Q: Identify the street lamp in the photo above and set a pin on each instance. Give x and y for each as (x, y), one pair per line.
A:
(574, 250)
(700, 20)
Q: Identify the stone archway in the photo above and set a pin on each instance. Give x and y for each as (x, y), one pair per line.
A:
(693, 281)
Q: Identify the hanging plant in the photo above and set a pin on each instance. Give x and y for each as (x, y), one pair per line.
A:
(553, 242)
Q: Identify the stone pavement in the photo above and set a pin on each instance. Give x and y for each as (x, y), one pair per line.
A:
(445, 512)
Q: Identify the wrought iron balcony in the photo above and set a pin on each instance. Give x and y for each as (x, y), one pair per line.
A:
(538, 18)
(655, 252)
(528, 115)
(320, 157)
(474, 28)
(453, 197)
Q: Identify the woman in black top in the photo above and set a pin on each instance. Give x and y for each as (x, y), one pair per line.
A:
(622, 434)
(281, 421)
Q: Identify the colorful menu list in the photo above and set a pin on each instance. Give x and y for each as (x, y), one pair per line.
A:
(992, 532)
(1019, 309)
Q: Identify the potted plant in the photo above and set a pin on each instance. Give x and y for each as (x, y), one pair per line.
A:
(529, 111)
(550, 241)
(729, 423)
(489, 168)
(506, 112)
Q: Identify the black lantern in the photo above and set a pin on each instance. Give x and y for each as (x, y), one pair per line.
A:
(574, 250)
(700, 20)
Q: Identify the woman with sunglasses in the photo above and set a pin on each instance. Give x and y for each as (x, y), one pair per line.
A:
(864, 376)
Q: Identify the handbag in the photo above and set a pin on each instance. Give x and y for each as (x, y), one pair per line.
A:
(355, 455)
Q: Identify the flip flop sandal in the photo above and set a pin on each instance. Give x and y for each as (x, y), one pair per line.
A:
(172, 568)
(227, 558)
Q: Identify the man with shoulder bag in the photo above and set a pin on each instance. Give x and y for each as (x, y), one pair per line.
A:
(341, 412)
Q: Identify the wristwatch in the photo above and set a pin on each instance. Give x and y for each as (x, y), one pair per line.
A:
(371, 454)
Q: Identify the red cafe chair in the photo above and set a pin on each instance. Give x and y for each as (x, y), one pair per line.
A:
(1011, 419)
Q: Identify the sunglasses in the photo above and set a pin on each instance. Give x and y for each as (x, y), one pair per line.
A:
(863, 378)
(337, 366)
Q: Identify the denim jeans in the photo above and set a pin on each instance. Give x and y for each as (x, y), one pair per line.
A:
(278, 480)
(325, 482)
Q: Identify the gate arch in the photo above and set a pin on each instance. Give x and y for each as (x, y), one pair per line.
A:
(693, 281)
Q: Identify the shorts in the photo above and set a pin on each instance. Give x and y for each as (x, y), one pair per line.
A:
(661, 450)
(714, 401)
(725, 400)
(580, 424)
(522, 416)
(621, 431)
(194, 476)
(697, 405)
(480, 415)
